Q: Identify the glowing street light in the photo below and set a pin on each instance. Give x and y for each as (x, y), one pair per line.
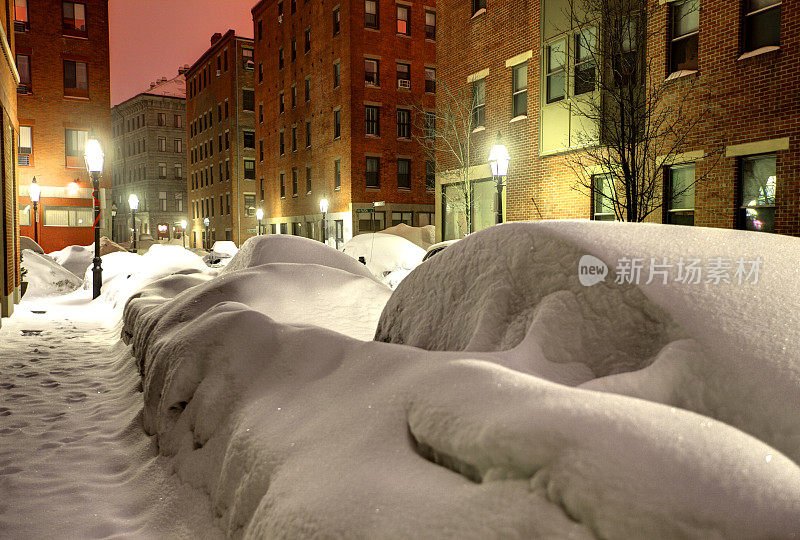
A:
(207, 222)
(498, 162)
(183, 236)
(94, 157)
(259, 217)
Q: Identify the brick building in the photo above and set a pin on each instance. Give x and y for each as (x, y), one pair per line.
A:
(220, 114)
(336, 90)
(9, 225)
(149, 142)
(740, 56)
(64, 97)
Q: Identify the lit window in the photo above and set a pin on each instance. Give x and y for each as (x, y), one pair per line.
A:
(479, 103)
(250, 169)
(758, 185)
(75, 143)
(478, 5)
(402, 20)
(74, 18)
(602, 198)
(680, 195)
(24, 68)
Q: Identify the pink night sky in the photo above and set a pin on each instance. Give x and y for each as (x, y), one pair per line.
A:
(152, 38)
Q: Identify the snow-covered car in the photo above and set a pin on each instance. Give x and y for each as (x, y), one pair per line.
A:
(436, 248)
(221, 253)
(389, 257)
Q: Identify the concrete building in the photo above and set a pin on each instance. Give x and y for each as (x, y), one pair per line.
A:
(221, 133)
(338, 88)
(149, 142)
(10, 278)
(741, 160)
(63, 98)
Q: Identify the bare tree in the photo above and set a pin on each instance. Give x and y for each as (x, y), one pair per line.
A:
(445, 135)
(634, 120)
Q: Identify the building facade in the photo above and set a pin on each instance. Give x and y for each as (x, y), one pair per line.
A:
(220, 111)
(339, 91)
(736, 58)
(149, 142)
(10, 278)
(63, 98)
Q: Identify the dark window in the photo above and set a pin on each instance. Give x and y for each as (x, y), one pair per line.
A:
(762, 24)
(294, 181)
(282, 144)
(308, 89)
(280, 103)
(403, 75)
(373, 172)
(294, 138)
(585, 47)
(74, 19)
(260, 72)
(336, 74)
(404, 173)
(260, 30)
(307, 40)
(308, 134)
(479, 103)
(249, 139)
(519, 88)
(625, 62)
(294, 49)
(680, 195)
(430, 25)
(294, 96)
(76, 79)
(430, 80)
(283, 186)
(685, 31)
(403, 124)
(403, 13)
(227, 140)
(337, 124)
(308, 179)
(430, 125)
(371, 72)
(757, 193)
(24, 68)
(293, 5)
(75, 142)
(260, 113)
(284, 228)
(261, 188)
(280, 8)
(261, 150)
(337, 174)
(602, 198)
(371, 14)
(336, 21)
(280, 58)
(248, 100)
(250, 169)
(372, 116)
(478, 5)
(556, 76)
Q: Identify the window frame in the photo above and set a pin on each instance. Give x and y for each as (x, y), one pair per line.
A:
(403, 127)
(686, 39)
(372, 178)
(521, 91)
(748, 14)
(372, 119)
(372, 20)
(403, 26)
(741, 210)
(405, 184)
(670, 212)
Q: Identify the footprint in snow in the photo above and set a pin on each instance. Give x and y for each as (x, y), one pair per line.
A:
(49, 383)
(76, 397)
(4, 411)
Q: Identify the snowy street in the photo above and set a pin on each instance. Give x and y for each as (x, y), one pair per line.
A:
(75, 462)
(497, 391)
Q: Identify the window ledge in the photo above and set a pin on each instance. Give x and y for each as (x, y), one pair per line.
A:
(759, 52)
(372, 188)
(370, 29)
(681, 74)
(400, 34)
(478, 13)
(337, 188)
(479, 128)
(404, 189)
(518, 118)
(368, 136)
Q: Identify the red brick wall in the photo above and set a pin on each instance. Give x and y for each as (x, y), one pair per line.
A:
(752, 101)
(47, 109)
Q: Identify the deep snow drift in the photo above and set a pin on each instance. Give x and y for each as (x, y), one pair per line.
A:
(389, 257)
(46, 277)
(257, 389)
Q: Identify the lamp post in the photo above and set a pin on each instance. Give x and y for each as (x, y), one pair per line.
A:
(207, 245)
(259, 217)
(323, 207)
(93, 155)
(35, 192)
(498, 161)
(133, 202)
(183, 235)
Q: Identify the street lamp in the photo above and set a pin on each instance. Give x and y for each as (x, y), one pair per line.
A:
(35, 192)
(94, 157)
(259, 217)
(323, 207)
(207, 222)
(183, 236)
(133, 202)
(498, 161)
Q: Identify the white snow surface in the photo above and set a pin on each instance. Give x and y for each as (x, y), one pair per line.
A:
(423, 237)
(389, 257)
(76, 259)
(225, 247)
(542, 407)
(47, 277)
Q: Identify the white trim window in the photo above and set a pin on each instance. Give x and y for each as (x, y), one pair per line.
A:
(556, 75)
(762, 24)
(519, 90)
(684, 35)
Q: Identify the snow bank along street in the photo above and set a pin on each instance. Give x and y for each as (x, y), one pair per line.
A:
(493, 393)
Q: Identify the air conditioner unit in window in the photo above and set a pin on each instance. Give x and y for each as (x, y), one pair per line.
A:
(21, 26)
(249, 65)
(219, 73)
(403, 83)
(23, 89)
(24, 160)
(280, 19)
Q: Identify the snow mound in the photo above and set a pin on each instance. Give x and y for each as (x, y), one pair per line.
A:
(225, 247)
(279, 248)
(46, 277)
(77, 259)
(26, 242)
(385, 254)
(423, 237)
(296, 429)
(124, 273)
